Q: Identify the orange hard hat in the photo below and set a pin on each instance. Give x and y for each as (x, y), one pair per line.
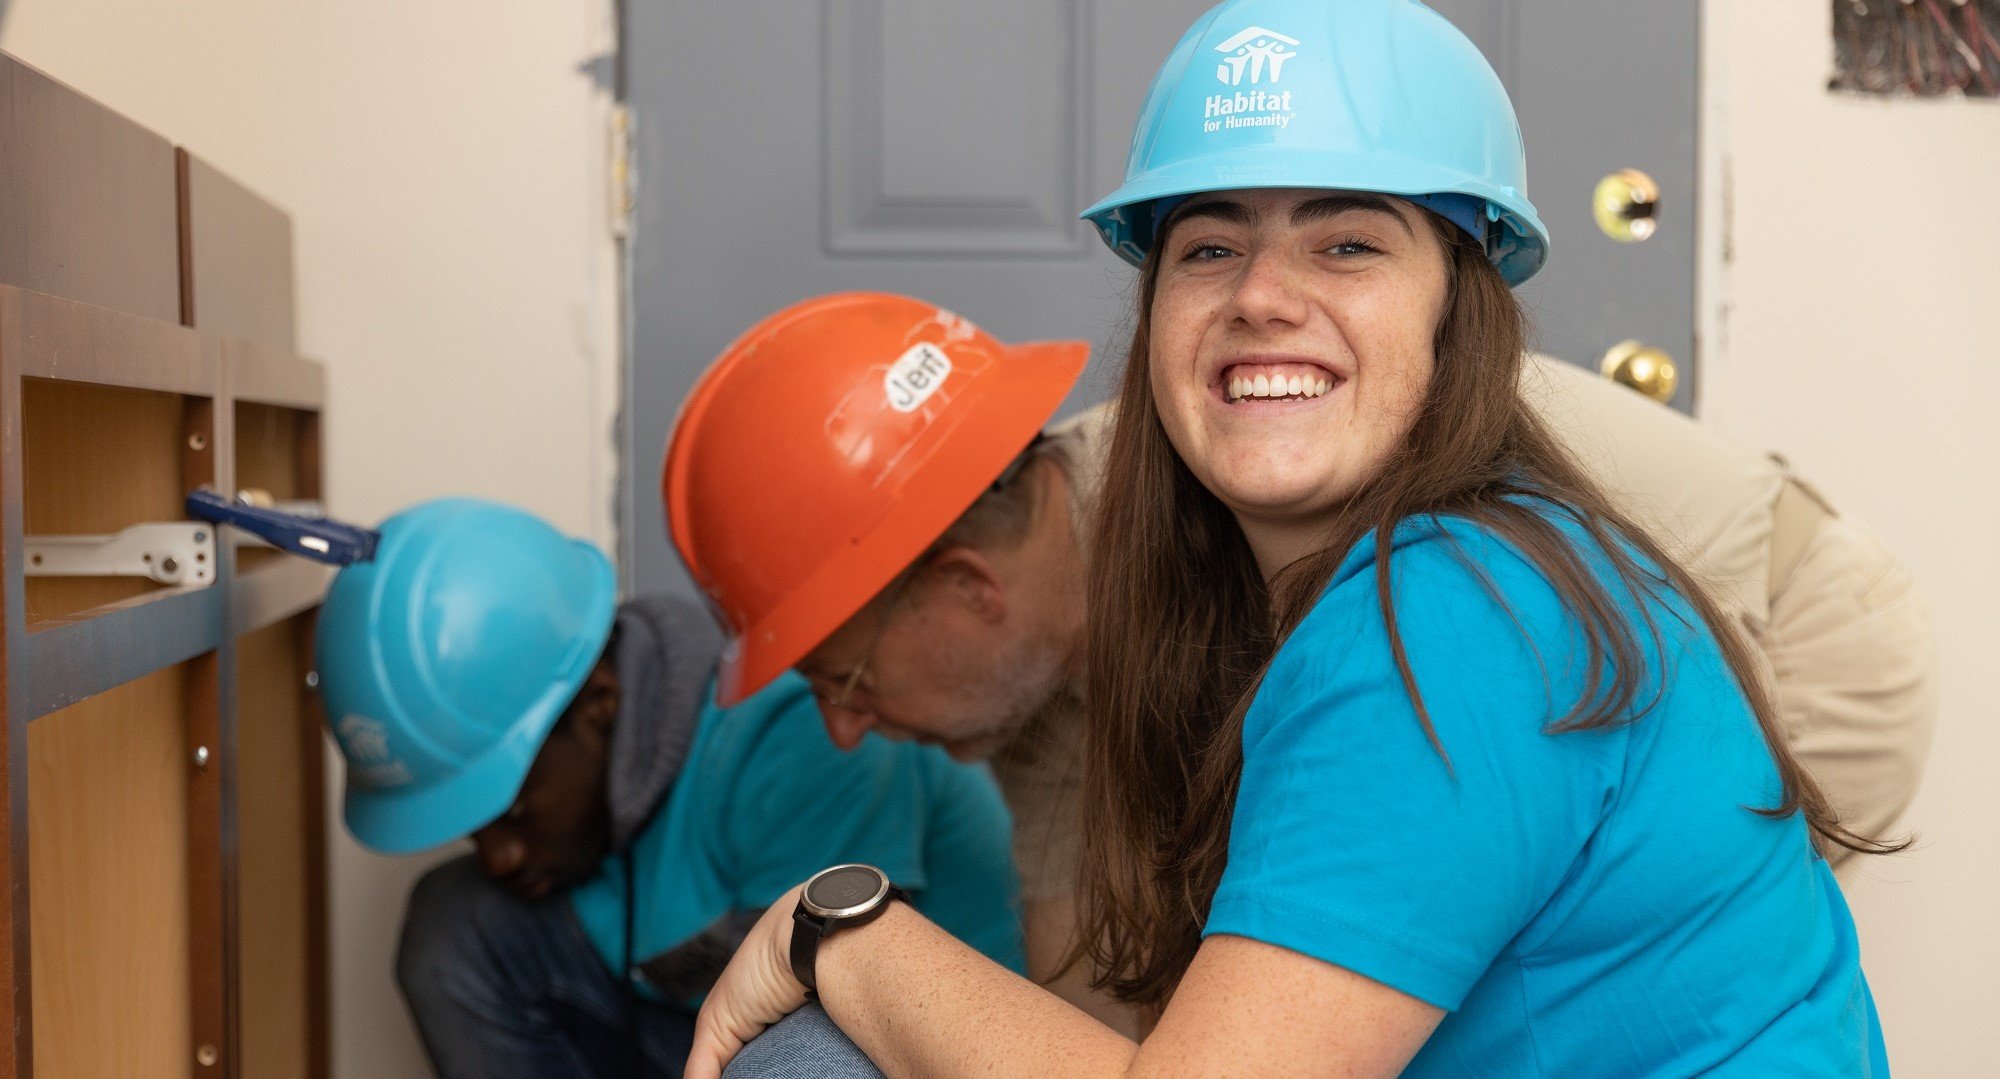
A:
(828, 447)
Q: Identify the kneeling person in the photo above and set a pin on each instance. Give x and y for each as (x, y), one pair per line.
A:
(627, 830)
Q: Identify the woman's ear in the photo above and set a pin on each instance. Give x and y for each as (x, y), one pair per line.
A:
(971, 581)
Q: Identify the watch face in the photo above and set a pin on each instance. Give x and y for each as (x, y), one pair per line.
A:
(842, 889)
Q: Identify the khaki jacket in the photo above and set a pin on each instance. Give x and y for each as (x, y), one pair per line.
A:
(1843, 632)
(1836, 615)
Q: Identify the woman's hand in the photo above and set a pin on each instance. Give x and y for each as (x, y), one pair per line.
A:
(756, 990)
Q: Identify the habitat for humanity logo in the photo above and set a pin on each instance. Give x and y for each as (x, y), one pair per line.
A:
(368, 756)
(1254, 56)
(1253, 52)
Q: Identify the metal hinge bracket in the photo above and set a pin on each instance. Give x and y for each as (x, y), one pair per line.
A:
(179, 552)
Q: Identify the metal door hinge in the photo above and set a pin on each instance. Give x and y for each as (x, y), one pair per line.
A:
(177, 552)
(618, 174)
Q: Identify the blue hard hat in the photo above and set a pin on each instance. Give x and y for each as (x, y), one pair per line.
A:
(1381, 96)
(445, 660)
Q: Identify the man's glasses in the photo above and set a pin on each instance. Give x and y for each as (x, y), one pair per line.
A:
(843, 700)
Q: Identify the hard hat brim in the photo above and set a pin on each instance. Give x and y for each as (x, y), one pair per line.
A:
(1517, 241)
(984, 442)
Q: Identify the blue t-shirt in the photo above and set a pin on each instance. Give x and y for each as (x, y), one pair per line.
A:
(766, 800)
(1590, 903)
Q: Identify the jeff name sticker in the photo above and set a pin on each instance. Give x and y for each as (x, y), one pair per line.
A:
(915, 376)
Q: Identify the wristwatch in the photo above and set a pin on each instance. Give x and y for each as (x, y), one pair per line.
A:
(835, 899)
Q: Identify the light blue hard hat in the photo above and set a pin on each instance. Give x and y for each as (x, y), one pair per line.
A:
(445, 660)
(1381, 96)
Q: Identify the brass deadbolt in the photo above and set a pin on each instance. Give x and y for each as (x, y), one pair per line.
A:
(1642, 367)
(1626, 205)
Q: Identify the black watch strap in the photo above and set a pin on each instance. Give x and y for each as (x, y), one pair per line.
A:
(808, 929)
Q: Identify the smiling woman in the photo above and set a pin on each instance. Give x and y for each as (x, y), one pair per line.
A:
(1431, 711)
(1366, 278)
(1408, 753)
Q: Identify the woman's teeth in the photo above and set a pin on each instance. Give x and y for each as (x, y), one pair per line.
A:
(1264, 386)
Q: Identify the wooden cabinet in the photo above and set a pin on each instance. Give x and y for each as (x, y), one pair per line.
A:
(163, 781)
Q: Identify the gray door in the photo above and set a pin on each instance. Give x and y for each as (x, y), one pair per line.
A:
(1600, 86)
(786, 148)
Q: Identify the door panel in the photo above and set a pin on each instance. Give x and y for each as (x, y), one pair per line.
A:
(914, 172)
(791, 147)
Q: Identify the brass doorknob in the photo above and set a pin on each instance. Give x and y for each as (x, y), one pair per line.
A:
(1642, 367)
(1625, 205)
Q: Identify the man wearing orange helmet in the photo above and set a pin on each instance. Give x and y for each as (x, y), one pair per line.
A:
(912, 548)
(897, 526)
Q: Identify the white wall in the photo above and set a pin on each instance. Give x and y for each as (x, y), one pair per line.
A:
(444, 165)
(1855, 324)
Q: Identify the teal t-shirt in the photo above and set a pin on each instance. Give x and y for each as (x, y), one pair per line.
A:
(1591, 903)
(766, 800)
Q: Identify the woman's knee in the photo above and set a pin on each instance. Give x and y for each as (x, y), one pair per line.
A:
(803, 1045)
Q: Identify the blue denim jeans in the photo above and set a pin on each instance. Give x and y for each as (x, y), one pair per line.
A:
(803, 1045)
(503, 987)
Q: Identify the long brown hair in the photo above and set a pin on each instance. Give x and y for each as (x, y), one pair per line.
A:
(1181, 624)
